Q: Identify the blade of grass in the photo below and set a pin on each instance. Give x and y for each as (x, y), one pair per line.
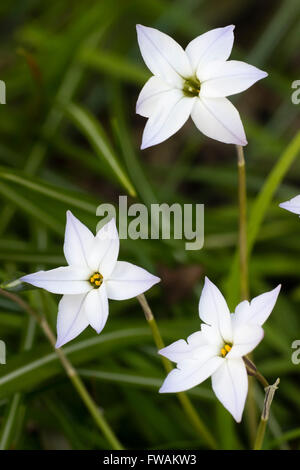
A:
(92, 129)
(70, 198)
(30, 208)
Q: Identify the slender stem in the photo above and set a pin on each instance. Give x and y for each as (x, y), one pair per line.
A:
(244, 279)
(186, 404)
(243, 251)
(70, 371)
(261, 430)
(260, 434)
(262, 379)
(252, 371)
(244, 291)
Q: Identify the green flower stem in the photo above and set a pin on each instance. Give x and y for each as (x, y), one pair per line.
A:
(244, 279)
(269, 395)
(186, 404)
(70, 371)
(260, 434)
(242, 189)
(252, 371)
(261, 430)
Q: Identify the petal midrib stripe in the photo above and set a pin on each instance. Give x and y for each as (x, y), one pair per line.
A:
(160, 52)
(217, 119)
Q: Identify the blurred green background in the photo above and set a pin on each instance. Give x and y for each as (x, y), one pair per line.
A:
(70, 140)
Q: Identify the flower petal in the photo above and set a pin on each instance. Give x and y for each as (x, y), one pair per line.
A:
(214, 311)
(71, 319)
(212, 336)
(213, 45)
(245, 339)
(219, 119)
(104, 251)
(230, 384)
(219, 79)
(258, 310)
(293, 205)
(127, 281)
(171, 114)
(178, 351)
(78, 239)
(191, 372)
(190, 349)
(163, 56)
(96, 308)
(150, 96)
(64, 280)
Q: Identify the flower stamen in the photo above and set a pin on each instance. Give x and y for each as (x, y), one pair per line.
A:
(191, 87)
(96, 280)
(225, 350)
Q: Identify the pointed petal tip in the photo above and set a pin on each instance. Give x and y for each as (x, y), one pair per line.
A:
(69, 213)
(278, 289)
(27, 278)
(140, 28)
(59, 343)
(207, 280)
(238, 419)
(145, 145)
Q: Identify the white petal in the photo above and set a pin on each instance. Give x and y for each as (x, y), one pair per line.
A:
(163, 56)
(104, 251)
(293, 205)
(127, 281)
(96, 308)
(219, 79)
(173, 111)
(245, 339)
(258, 310)
(213, 45)
(78, 239)
(219, 119)
(197, 339)
(64, 280)
(71, 319)
(150, 96)
(177, 351)
(211, 335)
(230, 384)
(191, 372)
(214, 311)
(190, 349)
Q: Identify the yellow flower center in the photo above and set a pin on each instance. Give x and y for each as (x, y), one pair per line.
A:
(191, 87)
(225, 350)
(96, 280)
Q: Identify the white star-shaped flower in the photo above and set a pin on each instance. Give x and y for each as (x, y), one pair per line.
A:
(192, 82)
(93, 276)
(218, 348)
(293, 205)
